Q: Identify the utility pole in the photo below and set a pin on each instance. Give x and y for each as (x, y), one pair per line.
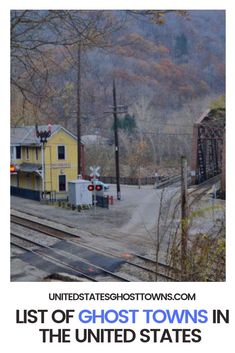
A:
(184, 217)
(115, 110)
(79, 149)
(116, 141)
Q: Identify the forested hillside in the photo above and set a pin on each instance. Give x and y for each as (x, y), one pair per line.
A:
(168, 67)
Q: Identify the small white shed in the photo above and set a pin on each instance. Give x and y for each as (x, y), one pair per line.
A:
(79, 193)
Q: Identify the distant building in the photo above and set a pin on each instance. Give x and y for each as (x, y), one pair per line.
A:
(43, 171)
(95, 140)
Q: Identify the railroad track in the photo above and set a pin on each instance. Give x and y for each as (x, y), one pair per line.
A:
(135, 268)
(200, 190)
(163, 270)
(59, 257)
(205, 185)
(60, 265)
(144, 263)
(46, 229)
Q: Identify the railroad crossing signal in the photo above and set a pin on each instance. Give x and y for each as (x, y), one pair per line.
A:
(94, 172)
(93, 187)
(90, 187)
(98, 187)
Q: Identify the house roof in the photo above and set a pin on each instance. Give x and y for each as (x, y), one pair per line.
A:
(26, 135)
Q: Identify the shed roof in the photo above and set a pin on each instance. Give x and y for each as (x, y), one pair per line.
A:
(30, 167)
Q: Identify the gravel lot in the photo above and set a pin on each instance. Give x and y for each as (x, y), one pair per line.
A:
(134, 214)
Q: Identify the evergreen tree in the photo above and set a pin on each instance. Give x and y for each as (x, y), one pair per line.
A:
(181, 46)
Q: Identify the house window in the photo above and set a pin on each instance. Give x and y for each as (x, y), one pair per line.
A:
(27, 153)
(36, 153)
(62, 182)
(61, 152)
(18, 152)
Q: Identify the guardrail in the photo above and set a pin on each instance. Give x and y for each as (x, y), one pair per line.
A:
(129, 180)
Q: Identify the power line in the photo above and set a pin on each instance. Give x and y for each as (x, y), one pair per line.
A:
(95, 118)
(165, 133)
(167, 124)
(151, 132)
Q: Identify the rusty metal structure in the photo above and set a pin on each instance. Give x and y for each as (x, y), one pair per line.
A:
(208, 150)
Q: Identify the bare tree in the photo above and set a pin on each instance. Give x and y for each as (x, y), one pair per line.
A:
(44, 42)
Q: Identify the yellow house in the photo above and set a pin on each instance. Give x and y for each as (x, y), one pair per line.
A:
(43, 169)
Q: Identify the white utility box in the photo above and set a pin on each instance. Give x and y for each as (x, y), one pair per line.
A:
(79, 193)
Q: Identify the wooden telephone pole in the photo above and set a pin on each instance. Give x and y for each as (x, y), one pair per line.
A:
(184, 217)
(79, 149)
(116, 142)
(115, 110)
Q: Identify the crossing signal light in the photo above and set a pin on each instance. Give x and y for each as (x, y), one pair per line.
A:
(98, 187)
(90, 187)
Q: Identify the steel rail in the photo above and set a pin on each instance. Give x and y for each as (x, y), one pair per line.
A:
(44, 228)
(134, 255)
(79, 258)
